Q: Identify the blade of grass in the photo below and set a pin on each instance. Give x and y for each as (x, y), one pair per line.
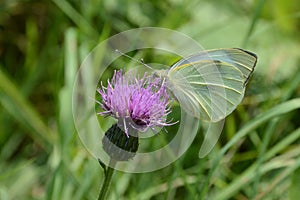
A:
(248, 128)
(279, 178)
(24, 113)
(66, 127)
(271, 127)
(250, 173)
(178, 182)
(78, 19)
(293, 190)
(55, 184)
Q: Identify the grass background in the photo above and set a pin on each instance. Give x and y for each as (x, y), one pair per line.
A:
(42, 44)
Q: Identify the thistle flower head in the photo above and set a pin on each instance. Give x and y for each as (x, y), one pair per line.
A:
(136, 103)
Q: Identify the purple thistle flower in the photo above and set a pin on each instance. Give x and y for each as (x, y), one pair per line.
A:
(136, 103)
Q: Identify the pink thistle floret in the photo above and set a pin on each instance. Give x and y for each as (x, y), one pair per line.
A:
(136, 103)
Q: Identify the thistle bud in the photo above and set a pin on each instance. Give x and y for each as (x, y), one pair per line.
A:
(118, 145)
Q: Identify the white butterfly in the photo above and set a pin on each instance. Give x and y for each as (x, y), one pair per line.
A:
(209, 85)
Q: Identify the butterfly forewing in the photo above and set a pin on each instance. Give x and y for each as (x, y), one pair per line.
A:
(210, 84)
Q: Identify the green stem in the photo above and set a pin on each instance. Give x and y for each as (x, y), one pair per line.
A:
(107, 181)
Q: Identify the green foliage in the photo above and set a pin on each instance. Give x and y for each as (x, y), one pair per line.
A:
(42, 44)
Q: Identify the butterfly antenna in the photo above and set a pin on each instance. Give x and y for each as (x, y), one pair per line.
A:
(138, 61)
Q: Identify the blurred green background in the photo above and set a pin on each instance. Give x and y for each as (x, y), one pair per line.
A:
(42, 44)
